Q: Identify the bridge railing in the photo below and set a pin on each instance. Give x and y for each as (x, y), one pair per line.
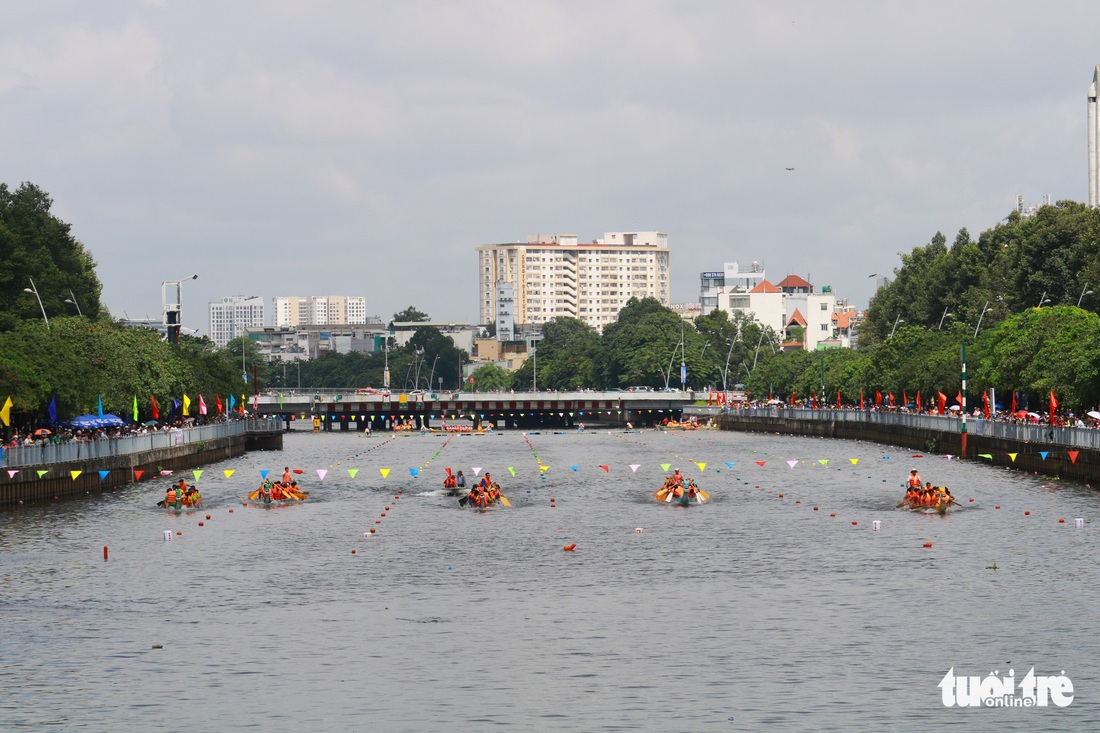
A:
(45, 453)
(1028, 432)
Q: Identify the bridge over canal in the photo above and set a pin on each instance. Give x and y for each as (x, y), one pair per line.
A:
(355, 411)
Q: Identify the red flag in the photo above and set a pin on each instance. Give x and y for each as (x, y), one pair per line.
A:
(919, 405)
(813, 402)
(985, 403)
(202, 405)
(943, 402)
(838, 399)
(959, 398)
(904, 399)
(861, 399)
(792, 396)
(1013, 402)
(156, 411)
(218, 404)
(878, 398)
(1053, 406)
(891, 395)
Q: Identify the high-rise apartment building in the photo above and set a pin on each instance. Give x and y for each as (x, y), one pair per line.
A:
(231, 317)
(1094, 140)
(319, 310)
(553, 275)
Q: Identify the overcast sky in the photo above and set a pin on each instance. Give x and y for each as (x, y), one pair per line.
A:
(366, 148)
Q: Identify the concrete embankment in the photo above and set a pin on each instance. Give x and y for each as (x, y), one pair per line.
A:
(26, 487)
(1078, 464)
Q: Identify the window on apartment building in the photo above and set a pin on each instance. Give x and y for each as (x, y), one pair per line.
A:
(824, 306)
(824, 326)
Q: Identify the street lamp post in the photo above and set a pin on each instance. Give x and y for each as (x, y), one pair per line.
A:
(895, 328)
(72, 299)
(33, 289)
(433, 372)
(1043, 300)
(980, 317)
(945, 315)
(1084, 291)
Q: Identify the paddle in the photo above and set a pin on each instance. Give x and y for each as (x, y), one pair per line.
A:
(660, 494)
(464, 500)
(161, 503)
(703, 496)
(504, 499)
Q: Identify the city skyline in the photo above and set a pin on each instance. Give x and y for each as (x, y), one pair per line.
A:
(374, 153)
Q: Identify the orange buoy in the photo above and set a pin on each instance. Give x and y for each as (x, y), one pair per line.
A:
(854, 522)
(927, 544)
(780, 496)
(997, 507)
(971, 500)
(1060, 521)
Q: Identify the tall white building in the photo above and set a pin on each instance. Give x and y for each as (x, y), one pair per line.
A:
(319, 310)
(1094, 141)
(231, 317)
(731, 279)
(554, 275)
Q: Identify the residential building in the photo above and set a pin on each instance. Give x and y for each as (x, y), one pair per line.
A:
(554, 275)
(319, 310)
(231, 317)
(792, 303)
(731, 279)
(1094, 140)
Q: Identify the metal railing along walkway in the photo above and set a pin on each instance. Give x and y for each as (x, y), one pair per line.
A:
(46, 453)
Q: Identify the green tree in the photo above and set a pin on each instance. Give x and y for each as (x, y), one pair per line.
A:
(409, 315)
(36, 245)
(490, 378)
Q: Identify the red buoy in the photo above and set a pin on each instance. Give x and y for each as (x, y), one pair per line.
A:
(353, 552)
(927, 544)
(200, 524)
(208, 516)
(832, 515)
(1027, 514)
(854, 522)
(1060, 521)
(815, 508)
(105, 553)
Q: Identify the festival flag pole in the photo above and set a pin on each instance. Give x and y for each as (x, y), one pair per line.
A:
(962, 450)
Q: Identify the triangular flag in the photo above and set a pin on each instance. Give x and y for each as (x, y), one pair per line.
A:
(352, 472)
(1073, 456)
(792, 464)
(823, 461)
(761, 463)
(574, 467)
(5, 411)
(665, 466)
(11, 474)
(264, 472)
(74, 474)
(103, 475)
(606, 469)
(634, 467)
(42, 472)
(986, 455)
(544, 468)
(197, 473)
(854, 461)
(414, 472)
(702, 466)
(228, 472)
(1044, 454)
(165, 473)
(949, 456)
(512, 470)
(476, 469)
(384, 471)
(1013, 456)
(729, 464)
(321, 473)
(137, 475)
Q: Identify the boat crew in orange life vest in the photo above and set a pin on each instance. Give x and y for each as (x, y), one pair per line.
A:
(914, 481)
(287, 478)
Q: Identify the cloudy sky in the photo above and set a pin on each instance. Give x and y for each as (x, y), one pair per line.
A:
(366, 148)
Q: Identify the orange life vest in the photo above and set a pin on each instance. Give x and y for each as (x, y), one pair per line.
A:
(170, 496)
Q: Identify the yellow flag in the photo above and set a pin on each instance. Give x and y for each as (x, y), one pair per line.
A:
(5, 413)
(186, 405)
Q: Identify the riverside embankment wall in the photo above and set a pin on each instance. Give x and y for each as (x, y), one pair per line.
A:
(26, 487)
(1070, 462)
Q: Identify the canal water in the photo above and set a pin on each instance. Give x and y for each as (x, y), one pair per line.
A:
(753, 610)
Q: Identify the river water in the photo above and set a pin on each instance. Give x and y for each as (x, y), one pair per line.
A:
(753, 610)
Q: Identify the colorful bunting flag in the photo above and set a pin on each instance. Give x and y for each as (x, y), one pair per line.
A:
(634, 467)
(42, 472)
(384, 471)
(792, 464)
(138, 474)
(228, 472)
(197, 473)
(353, 471)
(103, 475)
(321, 474)
(606, 469)
(5, 412)
(74, 474)
(512, 470)
(702, 466)
(665, 466)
